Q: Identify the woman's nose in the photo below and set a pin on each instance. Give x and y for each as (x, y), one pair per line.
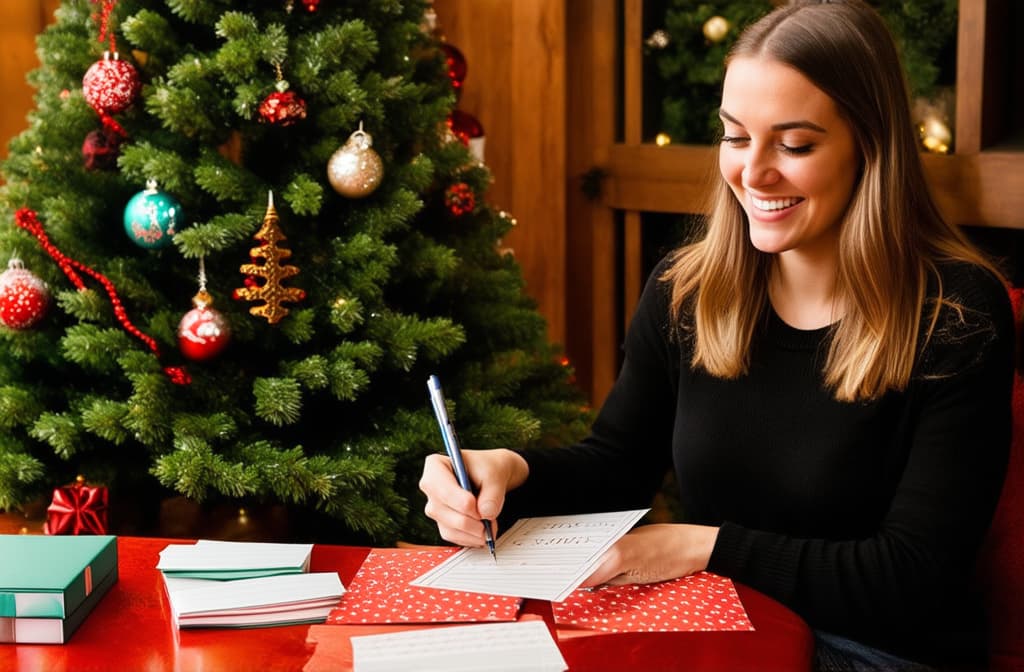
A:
(759, 170)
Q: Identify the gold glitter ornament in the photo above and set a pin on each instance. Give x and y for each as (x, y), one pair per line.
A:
(271, 292)
(935, 135)
(716, 28)
(355, 170)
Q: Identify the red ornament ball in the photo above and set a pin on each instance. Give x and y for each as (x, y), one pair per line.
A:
(465, 126)
(101, 149)
(203, 332)
(456, 65)
(310, 5)
(460, 199)
(24, 297)
(110, 85)
(282, 108)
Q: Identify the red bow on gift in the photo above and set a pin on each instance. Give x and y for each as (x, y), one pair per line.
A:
(77, 509)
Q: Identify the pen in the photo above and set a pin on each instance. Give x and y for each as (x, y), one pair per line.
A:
(451, 446)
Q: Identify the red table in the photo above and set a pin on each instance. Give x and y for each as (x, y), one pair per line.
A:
(130, 630)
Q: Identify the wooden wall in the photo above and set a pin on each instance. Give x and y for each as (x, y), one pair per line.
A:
(516, 86)
(20, 22)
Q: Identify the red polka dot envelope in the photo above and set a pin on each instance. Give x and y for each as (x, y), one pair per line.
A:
(380, 593)
(703, 601)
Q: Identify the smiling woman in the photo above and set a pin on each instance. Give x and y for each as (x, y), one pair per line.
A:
(827, 369)
(791, 161)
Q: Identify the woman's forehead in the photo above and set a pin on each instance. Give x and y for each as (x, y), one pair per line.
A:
(769, 90)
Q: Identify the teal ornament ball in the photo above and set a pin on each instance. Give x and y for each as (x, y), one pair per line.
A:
(152, 217)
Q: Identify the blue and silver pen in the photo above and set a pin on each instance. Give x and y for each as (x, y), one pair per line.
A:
(451, 446)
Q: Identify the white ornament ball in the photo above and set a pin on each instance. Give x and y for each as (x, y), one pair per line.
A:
(355, 170)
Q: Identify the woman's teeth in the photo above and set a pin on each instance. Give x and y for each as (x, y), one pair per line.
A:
(774, 204)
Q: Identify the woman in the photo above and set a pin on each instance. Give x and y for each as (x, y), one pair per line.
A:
(828, 370)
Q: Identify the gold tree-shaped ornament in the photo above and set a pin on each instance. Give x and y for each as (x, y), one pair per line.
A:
(271, 292)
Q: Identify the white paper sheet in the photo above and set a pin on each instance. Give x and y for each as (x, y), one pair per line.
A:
(524, 646)
(543, 558)
(207, 559)
(266, 600)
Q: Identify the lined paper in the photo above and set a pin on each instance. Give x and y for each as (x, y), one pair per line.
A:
(544, 558)
(524, 645)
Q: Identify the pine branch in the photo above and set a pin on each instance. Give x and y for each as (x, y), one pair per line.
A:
(278, 400)
(18, 472)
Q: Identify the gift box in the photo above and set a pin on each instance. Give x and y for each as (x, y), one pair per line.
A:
(78, 508)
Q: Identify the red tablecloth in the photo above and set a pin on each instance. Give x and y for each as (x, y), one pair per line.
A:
(130, 629)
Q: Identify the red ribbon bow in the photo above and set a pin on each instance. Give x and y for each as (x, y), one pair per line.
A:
(77, 509)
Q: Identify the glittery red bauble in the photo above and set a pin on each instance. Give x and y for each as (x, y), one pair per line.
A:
(283, 108)
(24, 298)
(203, 333)
(101, 149)
(110, 85)
(456, 64)
(460, 199)
(465, 126)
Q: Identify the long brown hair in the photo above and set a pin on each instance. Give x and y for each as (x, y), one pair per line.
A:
(892, 235)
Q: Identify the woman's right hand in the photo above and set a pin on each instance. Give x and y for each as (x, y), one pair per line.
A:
(457, 512)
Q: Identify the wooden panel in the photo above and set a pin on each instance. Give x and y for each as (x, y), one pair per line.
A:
(20, 22)
(659, 179)
(592, 336)
(970, 64)
(982, 100)
(633, 84)
(516, 86)
(982, 189)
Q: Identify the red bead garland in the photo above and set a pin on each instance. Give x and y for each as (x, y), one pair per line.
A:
(103, 18)
(27, 219)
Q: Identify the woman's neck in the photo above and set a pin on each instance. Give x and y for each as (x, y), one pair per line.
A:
(802, 291)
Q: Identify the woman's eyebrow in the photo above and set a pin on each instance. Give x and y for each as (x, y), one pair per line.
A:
(784, 126)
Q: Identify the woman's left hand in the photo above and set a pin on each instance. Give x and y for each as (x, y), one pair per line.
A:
(653, 553)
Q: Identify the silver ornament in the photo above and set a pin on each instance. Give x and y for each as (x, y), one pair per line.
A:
(355, 170)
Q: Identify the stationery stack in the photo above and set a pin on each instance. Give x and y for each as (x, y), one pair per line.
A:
(231, 584)
(49, 584)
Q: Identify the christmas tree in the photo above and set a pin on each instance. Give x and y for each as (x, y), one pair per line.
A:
(258, 238)
(689, 50)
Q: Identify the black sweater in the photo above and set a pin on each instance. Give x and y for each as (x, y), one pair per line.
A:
(864, 518)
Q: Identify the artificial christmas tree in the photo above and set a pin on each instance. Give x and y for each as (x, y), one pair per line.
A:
(690, 48)
(324, 408)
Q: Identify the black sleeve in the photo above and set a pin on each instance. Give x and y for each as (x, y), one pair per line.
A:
(627, 453)
(901, 581)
